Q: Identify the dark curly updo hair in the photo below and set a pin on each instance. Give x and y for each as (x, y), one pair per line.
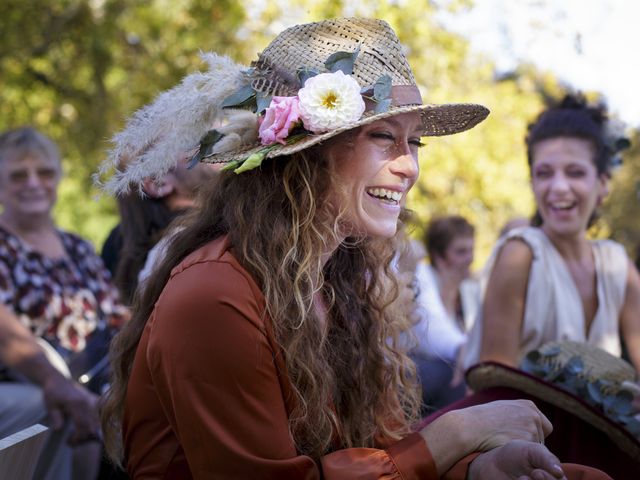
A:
(573, 117)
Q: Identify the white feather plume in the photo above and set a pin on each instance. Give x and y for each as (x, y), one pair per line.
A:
(159, 134)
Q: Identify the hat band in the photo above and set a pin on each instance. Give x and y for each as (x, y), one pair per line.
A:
(401, 96)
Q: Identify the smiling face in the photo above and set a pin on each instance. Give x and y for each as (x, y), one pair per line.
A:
(458, 256)
(374, 172)
(28, 184)
(566, 184)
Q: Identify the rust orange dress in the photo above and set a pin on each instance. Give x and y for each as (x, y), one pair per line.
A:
(209, 396)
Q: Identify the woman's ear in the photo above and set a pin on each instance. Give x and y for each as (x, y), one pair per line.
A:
(158, 188)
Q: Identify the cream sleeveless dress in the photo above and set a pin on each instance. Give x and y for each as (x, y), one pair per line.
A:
(553, 309)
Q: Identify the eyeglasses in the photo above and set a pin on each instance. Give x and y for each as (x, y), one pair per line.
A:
(22, 176)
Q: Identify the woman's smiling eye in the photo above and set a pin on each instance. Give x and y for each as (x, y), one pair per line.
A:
(575, 173)
(384, 136)
(391, 138)
(542, 173)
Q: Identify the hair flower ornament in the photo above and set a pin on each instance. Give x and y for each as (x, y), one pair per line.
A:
(325, 102)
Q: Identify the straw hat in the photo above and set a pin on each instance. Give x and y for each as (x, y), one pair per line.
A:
(309, 46)
(576, 377)
(366, 52)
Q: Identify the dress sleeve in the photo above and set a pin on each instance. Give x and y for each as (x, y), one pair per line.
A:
(223, 390)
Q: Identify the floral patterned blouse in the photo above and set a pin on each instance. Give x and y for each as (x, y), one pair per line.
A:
(62, 300)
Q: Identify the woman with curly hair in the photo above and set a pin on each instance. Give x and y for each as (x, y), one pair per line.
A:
(262, 346)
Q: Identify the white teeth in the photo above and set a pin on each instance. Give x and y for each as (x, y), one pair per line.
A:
(384, 193)
(562, 204)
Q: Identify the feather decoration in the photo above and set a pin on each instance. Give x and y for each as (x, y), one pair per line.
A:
(159, 134)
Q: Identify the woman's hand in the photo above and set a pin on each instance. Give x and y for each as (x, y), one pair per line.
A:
(517, 460)
(66, 400)
(483, 427)
(493, 424)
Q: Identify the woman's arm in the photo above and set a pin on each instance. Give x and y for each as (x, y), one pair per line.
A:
(630, 316)
(504, 304)
(63, 398)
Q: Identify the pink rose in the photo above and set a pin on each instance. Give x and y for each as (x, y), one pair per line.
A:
(279, 119)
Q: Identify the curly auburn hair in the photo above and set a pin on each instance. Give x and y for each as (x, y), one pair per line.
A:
(279, 220)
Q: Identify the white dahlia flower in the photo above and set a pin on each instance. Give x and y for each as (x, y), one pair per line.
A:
(329, 101)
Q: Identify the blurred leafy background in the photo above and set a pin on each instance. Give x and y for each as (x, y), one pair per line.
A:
(76, 69)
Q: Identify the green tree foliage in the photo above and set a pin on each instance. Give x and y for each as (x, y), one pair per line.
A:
(76, 69)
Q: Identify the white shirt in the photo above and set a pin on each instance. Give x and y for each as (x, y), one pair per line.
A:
(439, 334)
(553, 307)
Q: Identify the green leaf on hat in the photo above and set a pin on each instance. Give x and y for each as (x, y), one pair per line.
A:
(382, 106)
(621, 403)
(253, 161)
(343, 61)
(245, 98)
(305, 74)
(574, 366)
(595, 394)
(382, 88)
(207, 143)
(231, 165)
(262, 102)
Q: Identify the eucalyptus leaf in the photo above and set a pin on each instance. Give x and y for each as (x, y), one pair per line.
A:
(574, 365)
(194, 160)
(594, 392)
(305, 74)
(207, 142)
(343, 61)
(382, 88)
(382, 105)
(245, 97)
(262, 102)
(622, 403)
(530, 364)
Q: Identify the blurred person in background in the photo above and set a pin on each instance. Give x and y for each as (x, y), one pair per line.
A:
(137, 243)
(549, 281)
(52, 280)
(447, 303)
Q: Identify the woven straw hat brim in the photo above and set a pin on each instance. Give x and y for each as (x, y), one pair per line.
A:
(598, 364)
(437, 120)
(492, 374)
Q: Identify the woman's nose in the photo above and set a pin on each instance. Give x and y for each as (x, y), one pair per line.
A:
(33, 179)
(559, 182)
(406, 164)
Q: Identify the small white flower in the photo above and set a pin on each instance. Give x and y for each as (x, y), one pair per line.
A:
(329, 101)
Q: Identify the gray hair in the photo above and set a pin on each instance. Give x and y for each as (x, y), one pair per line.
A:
(24, 140)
